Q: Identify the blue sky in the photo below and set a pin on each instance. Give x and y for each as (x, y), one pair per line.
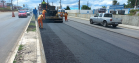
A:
(73, 4)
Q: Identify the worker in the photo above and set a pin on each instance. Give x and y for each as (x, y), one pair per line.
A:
(66, 14)
(40, 18)
(43, 13)
(35, 12)
(61, 14)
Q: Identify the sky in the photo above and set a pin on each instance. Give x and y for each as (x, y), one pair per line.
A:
(73, 4)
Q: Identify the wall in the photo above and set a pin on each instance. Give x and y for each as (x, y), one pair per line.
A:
(81, 11)
(128, 20)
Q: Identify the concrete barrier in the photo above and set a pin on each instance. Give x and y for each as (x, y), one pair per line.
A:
(127, 20)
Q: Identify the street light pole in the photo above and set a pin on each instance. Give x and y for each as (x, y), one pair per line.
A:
(17, 4)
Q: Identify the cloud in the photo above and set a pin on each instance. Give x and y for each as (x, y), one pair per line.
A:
(71, 3)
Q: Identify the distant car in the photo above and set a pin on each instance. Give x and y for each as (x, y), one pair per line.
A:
(28, 12)
(22, 13)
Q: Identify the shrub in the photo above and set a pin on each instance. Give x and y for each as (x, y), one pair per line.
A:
(138, 14)
(133, 12)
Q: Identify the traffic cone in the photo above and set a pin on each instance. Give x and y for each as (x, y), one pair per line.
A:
(13, 14)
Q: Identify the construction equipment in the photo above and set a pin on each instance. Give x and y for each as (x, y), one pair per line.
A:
(51, 15)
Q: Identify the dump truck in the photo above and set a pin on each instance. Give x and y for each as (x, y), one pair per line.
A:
(51, 15)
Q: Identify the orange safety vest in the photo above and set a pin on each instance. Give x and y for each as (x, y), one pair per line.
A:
(40, 17)
(66, 14)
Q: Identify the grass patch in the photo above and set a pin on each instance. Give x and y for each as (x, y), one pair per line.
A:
(20, 48)
(138, 14)
(32, 24)
(14, 61)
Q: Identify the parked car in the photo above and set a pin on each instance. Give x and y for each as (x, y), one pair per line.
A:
(105, 19)
(28, 12)
(22, 13)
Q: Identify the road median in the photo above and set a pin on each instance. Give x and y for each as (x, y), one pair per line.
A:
(29, 48)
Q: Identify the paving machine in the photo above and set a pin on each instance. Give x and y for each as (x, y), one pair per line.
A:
(51, 15)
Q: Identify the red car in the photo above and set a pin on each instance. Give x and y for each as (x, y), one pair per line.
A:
(22, 13)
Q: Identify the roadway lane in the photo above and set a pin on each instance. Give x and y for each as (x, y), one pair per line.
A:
(125, 31)
(11, 29)
(72, 42)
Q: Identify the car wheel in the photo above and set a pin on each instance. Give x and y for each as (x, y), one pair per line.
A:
(19, 16)
(114, 25)
(91, 21)
(105, 24)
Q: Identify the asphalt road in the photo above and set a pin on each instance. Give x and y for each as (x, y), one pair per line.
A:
(11, 29)
(72, 42)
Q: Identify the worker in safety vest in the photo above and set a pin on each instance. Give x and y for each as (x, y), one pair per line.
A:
(66, 15)
(40, 18)
(43, 13)
(61, 14)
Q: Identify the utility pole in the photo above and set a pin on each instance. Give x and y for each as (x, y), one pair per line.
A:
(79, 6)
(3, 3)
(12, 4)
(17, 4)
(87, 3)
(60, 4)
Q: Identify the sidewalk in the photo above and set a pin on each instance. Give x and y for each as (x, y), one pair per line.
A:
(120, 25)
(134, 33)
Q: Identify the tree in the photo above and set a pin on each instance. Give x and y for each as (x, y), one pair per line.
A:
(114, 2)
(67, 8)
(85, 7)
(131, 3)
(103, 6)
(124, 5)
(117, 3)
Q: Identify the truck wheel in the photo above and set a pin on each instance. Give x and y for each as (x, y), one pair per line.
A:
(91, 21)
(114, 25)
(105, 24)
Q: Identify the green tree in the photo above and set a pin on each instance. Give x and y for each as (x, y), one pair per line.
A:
(118, 3)
(124, 5)
(131, 3)
(67, 8)
(103, 6)
(85, 7)
(114, 2)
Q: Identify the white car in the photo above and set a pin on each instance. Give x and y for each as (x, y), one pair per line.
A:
(105, 19)
(28, 12)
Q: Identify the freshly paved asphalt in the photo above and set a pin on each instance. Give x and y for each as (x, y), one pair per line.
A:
(11, 29)
(72, 42)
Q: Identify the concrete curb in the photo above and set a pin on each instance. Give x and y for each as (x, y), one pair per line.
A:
(40, 50)
(119, 25)
(12, 54)
(106, 29)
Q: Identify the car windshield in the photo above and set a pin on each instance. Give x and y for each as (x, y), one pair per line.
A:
(108, 15)
(21, 11)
